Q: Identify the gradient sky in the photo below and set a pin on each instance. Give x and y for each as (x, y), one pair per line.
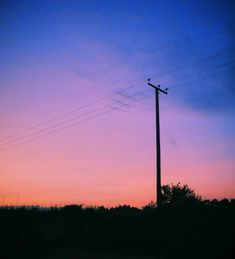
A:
(56, 56)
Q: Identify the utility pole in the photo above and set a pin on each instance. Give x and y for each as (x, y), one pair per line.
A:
(158, 144)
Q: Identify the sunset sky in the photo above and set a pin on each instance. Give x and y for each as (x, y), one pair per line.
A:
(57, 56)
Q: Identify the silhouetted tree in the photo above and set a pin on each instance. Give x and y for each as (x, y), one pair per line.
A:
(179, 195)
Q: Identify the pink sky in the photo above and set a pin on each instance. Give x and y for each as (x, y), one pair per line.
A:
(109, 160)
(55, 58)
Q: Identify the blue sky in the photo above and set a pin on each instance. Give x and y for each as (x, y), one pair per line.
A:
(151, 37)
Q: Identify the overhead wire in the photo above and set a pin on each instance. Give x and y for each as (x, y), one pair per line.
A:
(201, 78)
(106, 97)
(195, 63)
(76, 123)
(196, 74)
(98, 109)
(68, 113)
(126, 97)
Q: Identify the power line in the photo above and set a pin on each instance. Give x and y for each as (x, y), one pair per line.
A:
(113, 94)
(67, 113)
(67, 121)
(201, 78)
(192, 75)
(195, 62)
(74, 124)
(111, 109)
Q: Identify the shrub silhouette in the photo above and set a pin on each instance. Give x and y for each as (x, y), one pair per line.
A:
(179, 195)
(150, 206)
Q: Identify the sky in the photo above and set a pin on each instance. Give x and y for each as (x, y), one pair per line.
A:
(78, 118)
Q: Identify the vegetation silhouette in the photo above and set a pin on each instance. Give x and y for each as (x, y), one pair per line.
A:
(179, 195)
(185, 226)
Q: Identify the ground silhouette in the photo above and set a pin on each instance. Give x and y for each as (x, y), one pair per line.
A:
(185, 226)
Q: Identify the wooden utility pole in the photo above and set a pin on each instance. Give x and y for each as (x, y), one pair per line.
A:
(158, 144)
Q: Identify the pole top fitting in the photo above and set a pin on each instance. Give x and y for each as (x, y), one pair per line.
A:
(157, 87)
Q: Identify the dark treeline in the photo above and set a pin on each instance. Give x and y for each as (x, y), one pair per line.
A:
(202, 229)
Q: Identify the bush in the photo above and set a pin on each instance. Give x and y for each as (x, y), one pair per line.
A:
(179, 195)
